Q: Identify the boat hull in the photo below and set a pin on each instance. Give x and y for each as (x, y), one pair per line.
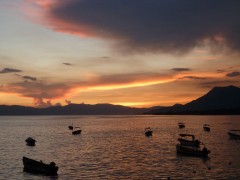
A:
(233, 136)
(206, 128)
(181, 126)
(76, 132)
(30, 141)
(39, 167)
(148, 133)
(185, 142)
(192, 151)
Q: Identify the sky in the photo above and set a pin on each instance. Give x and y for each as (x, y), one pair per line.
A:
(138, 53)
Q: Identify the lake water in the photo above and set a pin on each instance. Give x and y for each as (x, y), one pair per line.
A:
(115, 147)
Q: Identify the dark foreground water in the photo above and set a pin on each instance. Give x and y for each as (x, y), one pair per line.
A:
(114, 147)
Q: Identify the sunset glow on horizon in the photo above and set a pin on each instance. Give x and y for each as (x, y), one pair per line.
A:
(119, 52)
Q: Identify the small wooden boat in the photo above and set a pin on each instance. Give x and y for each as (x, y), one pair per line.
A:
(234, 134)
(185, 141)
(181, 125)
(33, 166)
(76, 131)
(192, 151)
(206, 127)
(148, 131)
(30, 141)
(70, 127)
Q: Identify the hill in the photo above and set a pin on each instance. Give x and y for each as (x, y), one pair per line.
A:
(219, 100)
(72, 109)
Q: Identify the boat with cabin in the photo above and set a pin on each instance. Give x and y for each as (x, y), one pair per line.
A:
(76, 131)
(188, 140)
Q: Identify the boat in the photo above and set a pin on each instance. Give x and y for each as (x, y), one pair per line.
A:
(30, 141)
(148, 131)
(181, 125)
(70, 127)
(188, 140)
(206, 127)
(192, 151)
(76, 131)
(38, 167)
(234, 134)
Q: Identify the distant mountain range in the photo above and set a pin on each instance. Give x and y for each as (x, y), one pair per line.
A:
(73, 109)
(219, 100)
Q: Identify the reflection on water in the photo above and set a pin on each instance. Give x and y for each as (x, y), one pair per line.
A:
(115, 147)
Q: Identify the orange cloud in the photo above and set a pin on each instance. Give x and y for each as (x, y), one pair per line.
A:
(43, 93)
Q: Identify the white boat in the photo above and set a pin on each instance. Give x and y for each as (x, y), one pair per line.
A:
(188, 140)
(234, 134)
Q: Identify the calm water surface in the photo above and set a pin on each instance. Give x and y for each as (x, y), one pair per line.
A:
(114, 147)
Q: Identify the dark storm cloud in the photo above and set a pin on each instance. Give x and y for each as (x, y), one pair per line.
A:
(151, 25)
(9, 70)
(233, 74)
(180, 69)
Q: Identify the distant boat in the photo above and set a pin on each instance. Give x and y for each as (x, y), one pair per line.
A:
(206, 127)
(76, 131)
(192, 151)
(234, 134)
(30, 141)
(181, 125)
(33, 166)
(148, 131)
(70, 127)
(188, 140)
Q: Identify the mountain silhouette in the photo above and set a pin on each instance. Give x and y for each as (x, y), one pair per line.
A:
(219, 100)
(72, 109)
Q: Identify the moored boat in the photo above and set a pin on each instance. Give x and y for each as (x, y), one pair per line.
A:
(192, 151)
(181, 125)
(76, 131)
(234, 134)
(188, 140)
(30, 141)
(38, 167)
(206, 127)
(70, 127)
(148, 131)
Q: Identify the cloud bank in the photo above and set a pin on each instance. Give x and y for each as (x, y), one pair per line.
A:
(9, 70)
(170, 26)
